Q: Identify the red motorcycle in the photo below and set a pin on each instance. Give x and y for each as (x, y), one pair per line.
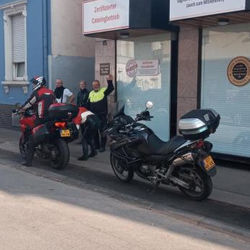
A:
(51, 138)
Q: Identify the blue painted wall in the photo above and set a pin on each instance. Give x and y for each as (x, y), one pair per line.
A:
(38, 46)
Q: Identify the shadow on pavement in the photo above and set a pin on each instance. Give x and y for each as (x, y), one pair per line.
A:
(163, 200)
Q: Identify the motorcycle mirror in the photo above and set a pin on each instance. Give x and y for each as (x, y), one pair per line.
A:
(149, 105)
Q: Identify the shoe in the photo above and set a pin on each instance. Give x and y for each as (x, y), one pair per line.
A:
(93, 154)
(83, 158)
(102, 150)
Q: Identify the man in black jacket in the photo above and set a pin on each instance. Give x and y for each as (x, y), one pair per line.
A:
(83, 95)
(98, 104)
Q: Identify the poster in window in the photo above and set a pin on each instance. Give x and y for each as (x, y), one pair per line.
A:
(238, 71)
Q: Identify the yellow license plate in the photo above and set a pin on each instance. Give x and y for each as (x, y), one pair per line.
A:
(209, 163)
(65, 133)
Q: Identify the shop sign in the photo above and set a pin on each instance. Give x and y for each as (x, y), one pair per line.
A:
(104, 69)
(131, 68)
(238, 71)
(105, 15)
(184, 9)
(142, 68)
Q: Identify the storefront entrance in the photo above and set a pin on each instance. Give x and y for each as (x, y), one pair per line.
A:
(220, 46)
(143, 73)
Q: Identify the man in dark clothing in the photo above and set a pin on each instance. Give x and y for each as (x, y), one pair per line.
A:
(83, 95)
(63, 95)
(89, 124)
(98, 104)
(40, 100)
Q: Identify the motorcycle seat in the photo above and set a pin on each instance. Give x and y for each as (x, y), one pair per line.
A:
(159, 147)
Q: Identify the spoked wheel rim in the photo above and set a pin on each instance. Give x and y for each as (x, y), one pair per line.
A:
(121, 171)
(195, 181)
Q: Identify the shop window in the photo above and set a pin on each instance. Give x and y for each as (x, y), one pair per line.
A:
(19, 70)
(143, 73)
(220, 46)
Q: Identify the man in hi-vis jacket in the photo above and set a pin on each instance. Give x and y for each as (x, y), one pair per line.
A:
(98, 104)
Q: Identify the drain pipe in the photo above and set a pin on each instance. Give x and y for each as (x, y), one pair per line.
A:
(45, 28)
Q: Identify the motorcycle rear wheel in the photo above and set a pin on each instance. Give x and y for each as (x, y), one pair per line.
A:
(59, 154)
(199, 180)
(122, 173)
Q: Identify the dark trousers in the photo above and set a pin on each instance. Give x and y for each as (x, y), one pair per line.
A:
(28, 147)
(29, 142)
(100, 138)
(89, 130)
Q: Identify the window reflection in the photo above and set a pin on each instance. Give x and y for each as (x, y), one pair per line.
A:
(143, 73)
(220, 46)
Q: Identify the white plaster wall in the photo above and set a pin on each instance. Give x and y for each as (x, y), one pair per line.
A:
(67, 38)
(105, 53)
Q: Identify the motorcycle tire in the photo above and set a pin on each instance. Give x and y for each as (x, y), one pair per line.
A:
(60, 155)
(119, 170)
(205, 181)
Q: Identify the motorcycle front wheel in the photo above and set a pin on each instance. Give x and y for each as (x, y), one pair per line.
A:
(59, 154)
(121, 170)
(200, 183)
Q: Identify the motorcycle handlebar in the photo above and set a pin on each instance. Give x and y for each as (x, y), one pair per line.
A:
(113, 129)
(16, 111)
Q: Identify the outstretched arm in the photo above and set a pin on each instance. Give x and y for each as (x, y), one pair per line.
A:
(110, 87)
(29, 103)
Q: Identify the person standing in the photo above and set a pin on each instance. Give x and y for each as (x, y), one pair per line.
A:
(98, 104)
(83, 95)
(89, 124)
(63, 95)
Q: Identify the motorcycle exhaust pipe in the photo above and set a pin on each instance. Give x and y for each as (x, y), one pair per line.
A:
(186, 158)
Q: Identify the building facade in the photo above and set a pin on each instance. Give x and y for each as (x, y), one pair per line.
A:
(214, 53)
(138, 45)
(41, 38)
(72, 56)
(170, 53)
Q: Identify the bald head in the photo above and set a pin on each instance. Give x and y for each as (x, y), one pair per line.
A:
(96, 85)
(59, 83)
(82, 85)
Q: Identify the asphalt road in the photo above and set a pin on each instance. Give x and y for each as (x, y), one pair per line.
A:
(228, 220)
(42, 212)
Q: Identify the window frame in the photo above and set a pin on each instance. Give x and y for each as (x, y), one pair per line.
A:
(15, 70)
(11, 78)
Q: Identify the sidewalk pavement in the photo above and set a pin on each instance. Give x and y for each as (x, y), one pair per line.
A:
(231, 185)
